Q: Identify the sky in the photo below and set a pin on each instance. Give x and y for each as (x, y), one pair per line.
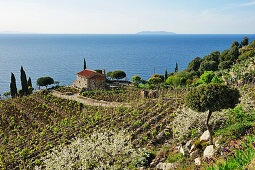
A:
(128, 16)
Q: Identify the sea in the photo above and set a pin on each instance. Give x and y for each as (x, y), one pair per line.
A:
(60, 56)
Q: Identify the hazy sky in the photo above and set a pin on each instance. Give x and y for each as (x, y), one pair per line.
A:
(128, 16)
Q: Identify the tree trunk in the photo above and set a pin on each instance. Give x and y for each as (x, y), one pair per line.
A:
(208, 127)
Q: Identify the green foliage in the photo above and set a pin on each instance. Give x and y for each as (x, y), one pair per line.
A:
(99, 71)
(252, 44)
(225, 65)
(207, 77)
(184, 74)
(118, 74)
(217, 79)
(136, 80)
(45, 81)
(235, 52)
(212, 97)
(208, 66)
(176, 68)
(159, 76)
(172, 158)
(29, 82)
(13, 87)
(234, 44)
(194, 64)
(23, 79)
(166, 75)
(109, 74)
(30, 90)
(245, 41)
(214, 56)
(225, 56)
(238, 156)
(154, 80)
(246, 55)
(84, 64)
(173, 80)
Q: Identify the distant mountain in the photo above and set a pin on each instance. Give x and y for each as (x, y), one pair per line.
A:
(155, 32)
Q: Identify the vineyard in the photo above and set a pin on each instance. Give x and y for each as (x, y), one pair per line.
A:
(32, 125)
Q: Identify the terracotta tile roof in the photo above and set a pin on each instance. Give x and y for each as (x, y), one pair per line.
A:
(98, 77)
(89, 73)
(86, 73)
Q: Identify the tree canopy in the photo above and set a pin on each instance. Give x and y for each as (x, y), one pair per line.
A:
(45, 81)
(212, 97)
(118, 74)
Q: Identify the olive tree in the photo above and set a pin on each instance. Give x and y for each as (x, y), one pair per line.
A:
(45, 81)
(211, 98)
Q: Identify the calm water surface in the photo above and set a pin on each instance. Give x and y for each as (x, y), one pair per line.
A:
(61, 56)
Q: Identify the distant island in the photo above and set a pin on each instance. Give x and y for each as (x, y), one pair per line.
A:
(155, 33)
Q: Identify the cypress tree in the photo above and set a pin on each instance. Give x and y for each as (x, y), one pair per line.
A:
(13, 87)
(176, 68)
(84, 64)
(23, 79)
(166, 74)
(29, 82)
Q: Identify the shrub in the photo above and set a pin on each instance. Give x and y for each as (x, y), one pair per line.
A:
(246, 55)
(212, 97)
(154, 80)
(159, 76)
(207, 77)
(173, 80)
(252, 44)
(217, 79)
(102, 150)
(136, 80)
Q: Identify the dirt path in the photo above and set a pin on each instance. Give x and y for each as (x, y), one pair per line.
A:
(89, 101)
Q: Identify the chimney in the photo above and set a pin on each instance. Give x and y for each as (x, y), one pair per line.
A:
(103, 71)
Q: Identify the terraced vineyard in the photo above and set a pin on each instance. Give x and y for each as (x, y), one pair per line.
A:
(32, 125)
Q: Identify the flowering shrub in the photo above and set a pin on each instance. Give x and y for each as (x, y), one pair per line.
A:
(237, 156)
(102, 150)
(186, 120)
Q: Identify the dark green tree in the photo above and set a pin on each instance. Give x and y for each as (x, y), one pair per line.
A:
(194, 64)
(166, 75)
(208, 66)
(212, 97)
(176, 68)
(109, 74)
(245, 41)
(84, 64)
(29, 82)
(23, 79)
(225, 65)
(234, 44)
(235, 52)
(118, 74)
(45, 81)
(13, 87)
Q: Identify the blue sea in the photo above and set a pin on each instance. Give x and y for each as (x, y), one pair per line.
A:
(61, 56)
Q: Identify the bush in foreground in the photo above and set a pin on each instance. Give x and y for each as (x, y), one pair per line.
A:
(106, 150)
(212, 97)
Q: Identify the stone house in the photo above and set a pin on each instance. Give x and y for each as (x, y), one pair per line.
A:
(90, 79)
